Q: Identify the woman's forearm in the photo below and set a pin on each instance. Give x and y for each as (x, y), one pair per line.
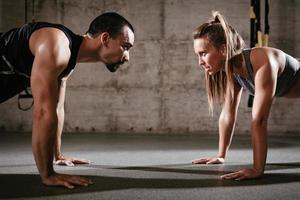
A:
(259, 145)
(226, 127)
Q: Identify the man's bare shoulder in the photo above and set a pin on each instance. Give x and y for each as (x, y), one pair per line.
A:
(52, 43)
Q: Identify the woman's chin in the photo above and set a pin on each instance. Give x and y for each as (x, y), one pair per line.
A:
(210, 73)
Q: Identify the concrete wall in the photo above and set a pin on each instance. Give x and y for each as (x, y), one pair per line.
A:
(161, 90)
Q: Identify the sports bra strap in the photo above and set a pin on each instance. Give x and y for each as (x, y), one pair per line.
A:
(249, 67)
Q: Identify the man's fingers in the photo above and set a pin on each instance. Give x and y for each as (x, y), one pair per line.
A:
(79, 181)
(68, 185)
(59, 162)
(58, 181)
(68, 163)
(68, 181)
(71, 161)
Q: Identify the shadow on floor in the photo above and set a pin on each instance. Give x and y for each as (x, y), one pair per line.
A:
(219, 169)
(22, 185)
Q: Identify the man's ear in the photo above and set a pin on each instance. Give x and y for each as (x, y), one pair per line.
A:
(104, 38)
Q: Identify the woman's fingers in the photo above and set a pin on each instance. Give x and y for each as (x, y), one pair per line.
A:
(216, 160)
(200, 161)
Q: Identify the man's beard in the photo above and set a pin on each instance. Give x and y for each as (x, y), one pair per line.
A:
(114, 67)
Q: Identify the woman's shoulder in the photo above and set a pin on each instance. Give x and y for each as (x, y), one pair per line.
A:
(267, 51)
(267, 56)
(263, 54)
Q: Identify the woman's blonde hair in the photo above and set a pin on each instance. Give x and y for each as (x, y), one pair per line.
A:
(219, 33)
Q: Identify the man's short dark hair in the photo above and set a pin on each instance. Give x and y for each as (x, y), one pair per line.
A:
(110, 22)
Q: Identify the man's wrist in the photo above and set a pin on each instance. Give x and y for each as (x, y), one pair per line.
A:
(58, 156)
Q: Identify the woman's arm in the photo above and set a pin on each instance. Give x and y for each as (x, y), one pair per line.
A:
(227, 120)
(265, 86)
(226, 126)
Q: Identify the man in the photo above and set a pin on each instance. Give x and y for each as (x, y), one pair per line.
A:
(43, 55)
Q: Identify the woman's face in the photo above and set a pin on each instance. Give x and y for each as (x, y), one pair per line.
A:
(210, 58)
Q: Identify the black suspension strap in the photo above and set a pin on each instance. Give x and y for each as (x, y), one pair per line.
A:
(255, 30)
(25, 94)
(253, 37)
(32, 12)
(267, 27)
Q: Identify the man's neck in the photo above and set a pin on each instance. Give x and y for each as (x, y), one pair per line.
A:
(88, 50)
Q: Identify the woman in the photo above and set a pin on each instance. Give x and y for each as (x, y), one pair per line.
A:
(264, 72)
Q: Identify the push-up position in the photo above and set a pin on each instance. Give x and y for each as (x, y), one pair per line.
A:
(264, 72)
(43, 55)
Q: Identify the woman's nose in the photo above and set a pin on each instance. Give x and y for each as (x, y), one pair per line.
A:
(200, 61)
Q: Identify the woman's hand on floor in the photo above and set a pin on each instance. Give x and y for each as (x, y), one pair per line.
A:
(249, 173)
(216, 160)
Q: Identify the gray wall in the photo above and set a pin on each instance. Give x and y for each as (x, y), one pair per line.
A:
(161, 90)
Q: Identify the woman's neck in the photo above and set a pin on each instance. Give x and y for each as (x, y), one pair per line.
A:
(239, 65)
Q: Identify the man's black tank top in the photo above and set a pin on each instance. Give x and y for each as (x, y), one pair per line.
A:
(16, 55)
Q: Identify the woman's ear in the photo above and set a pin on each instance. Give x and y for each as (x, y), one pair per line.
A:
(223, 49)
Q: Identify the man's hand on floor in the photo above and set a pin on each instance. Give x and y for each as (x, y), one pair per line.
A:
(68, 161)
(68, 181)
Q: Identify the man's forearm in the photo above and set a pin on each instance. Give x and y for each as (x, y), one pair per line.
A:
(43, 136)
(60, 117)
(60, 124)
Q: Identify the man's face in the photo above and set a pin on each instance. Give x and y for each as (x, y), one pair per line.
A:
(117, 49)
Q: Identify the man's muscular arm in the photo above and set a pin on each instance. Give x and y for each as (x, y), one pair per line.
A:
(50, 48)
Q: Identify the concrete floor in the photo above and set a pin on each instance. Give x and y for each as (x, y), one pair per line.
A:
(151, 167)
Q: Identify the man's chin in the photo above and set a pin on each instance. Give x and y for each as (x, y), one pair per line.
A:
(113, 68)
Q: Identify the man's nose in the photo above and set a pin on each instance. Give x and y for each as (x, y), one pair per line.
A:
(126, 56)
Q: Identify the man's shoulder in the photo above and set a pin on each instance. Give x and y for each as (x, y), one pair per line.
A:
(51, 42)
(51, 28)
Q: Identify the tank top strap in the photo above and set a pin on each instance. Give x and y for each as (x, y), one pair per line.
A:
(249, 67)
